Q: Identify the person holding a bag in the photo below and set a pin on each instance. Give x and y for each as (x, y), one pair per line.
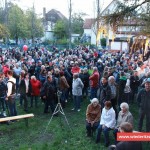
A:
(11, 94)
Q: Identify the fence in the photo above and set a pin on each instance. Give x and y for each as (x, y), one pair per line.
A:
(32, 46)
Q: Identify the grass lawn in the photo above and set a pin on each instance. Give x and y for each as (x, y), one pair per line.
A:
(58, 135)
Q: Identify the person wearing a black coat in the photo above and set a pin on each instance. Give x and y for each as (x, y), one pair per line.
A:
(134, 84)
(85, 81)
(121, 87)
(24, 88)
(126, 145)
(143, 99)
(48, 93)
(105, 91)
(3, 88)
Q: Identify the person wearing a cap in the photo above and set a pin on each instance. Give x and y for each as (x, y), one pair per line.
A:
(143, 99)
(93, 114)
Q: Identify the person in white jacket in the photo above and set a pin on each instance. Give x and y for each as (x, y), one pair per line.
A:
(107, 122)
(77, 86)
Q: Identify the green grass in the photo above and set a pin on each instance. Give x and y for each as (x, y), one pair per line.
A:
(58, 135)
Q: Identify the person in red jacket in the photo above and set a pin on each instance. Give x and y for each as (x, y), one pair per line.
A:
(76, 68)
(5, 69)
(35, 90)
(94, 83)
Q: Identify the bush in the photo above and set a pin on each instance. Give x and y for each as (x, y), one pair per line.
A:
(47, 42)
(103, 42)
(62, 41)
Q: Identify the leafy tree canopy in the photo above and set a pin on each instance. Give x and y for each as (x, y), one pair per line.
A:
(34, 24)
(17, 23)
(77, 23)
(60, 29)
(3, 31)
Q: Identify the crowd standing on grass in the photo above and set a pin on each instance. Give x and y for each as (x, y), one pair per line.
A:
(109, 81)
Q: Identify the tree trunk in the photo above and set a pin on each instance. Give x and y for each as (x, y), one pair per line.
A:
(16, 40)
(32, 39)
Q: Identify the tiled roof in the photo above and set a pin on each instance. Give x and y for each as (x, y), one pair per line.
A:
(54, 15)
(88, 23)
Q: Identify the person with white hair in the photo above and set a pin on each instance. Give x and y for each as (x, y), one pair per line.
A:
(123, 116)
(77, 86)
(35, 90)
(93, 114)
(113, 87)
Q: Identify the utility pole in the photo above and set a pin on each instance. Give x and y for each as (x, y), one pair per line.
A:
(33, 25)
(6, 12)
(98, 19)
(6, 19)
(70, 29)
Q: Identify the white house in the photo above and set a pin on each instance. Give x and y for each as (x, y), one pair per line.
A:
(89, 32)
(49, 20)
(115, 41)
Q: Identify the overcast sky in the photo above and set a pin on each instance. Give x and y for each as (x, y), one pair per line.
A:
(87, 6)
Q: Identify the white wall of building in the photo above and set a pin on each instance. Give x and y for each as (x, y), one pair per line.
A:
(115, 45)
(90, 32)
(48, 36)
(123, 46)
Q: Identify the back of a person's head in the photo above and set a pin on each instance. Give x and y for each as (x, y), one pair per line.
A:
(122, 73)
(126, 127)
(106, 74)
(10, 72)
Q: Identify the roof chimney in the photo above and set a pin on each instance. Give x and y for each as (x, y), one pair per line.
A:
(44, 12)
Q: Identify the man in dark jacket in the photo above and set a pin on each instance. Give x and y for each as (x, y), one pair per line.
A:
(24, 90)
(143, 99)
(126, 145)
(3, 88)
(134, 84)
(105, 91)
(85, 82)
(48, 93)
(121, 87)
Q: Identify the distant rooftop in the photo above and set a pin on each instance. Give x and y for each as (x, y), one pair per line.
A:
(54, 15)
(88, 23)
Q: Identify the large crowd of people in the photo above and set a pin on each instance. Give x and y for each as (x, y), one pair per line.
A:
(109, 81)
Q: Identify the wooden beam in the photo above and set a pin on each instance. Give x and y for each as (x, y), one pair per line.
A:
(16, 117)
